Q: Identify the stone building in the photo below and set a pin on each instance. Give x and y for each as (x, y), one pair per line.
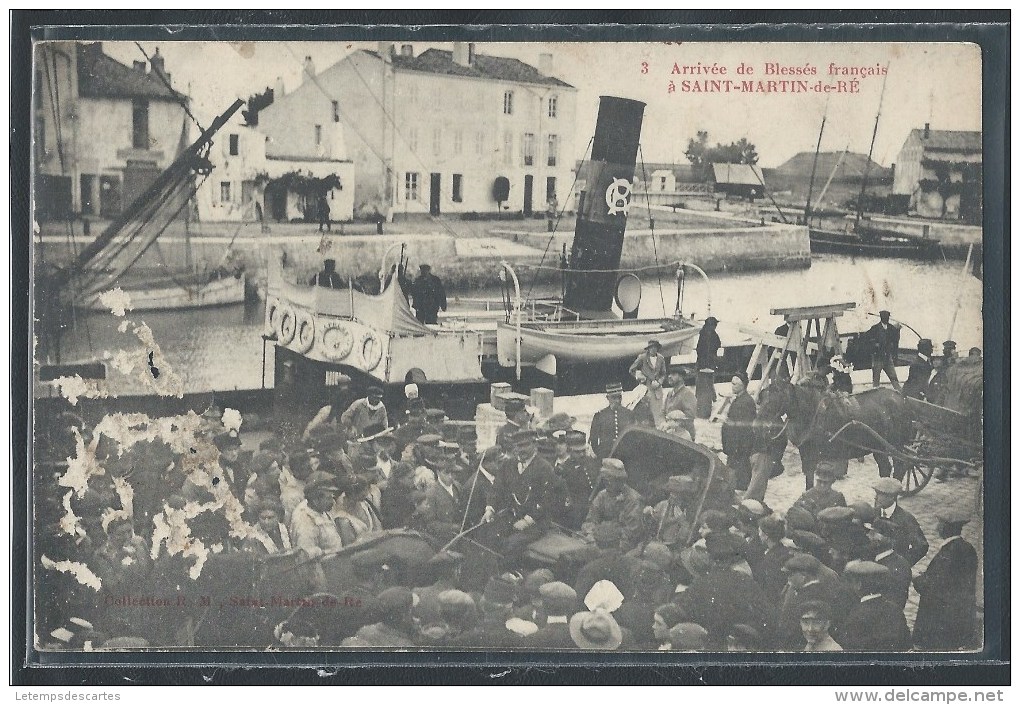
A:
(940, 171)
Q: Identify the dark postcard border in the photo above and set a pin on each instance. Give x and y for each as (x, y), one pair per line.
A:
(989, 29)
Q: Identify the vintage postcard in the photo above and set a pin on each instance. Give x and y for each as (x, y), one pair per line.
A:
(510, 346)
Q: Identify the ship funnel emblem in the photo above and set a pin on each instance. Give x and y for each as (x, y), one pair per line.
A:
(618, 197)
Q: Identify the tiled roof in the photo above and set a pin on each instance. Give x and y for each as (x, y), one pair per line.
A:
(101, 76)
(498, 68)
(956, 140)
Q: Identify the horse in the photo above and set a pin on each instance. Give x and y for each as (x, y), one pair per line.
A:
(817, 423)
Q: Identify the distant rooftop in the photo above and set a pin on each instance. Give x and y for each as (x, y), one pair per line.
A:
(498, 68)
(738, 174)
(955, 140)
(850, 165)
(102, 76)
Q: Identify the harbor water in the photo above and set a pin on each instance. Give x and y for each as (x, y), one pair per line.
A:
(222, 348)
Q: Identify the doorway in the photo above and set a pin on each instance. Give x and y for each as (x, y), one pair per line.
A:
(529, 187)
(434, 190)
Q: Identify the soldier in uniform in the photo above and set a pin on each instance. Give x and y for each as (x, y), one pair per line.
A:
(617, 504)
(921, 368)
(517, 419)
(896, 522)
(671, 518)
(579, 473)
(874, 624)
(822, 496)
(947, 612)
(607, 424)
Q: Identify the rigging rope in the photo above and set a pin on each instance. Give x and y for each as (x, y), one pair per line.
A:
(556, 225)
(651, 226)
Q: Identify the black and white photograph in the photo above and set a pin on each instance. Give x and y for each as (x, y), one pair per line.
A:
(517, 347)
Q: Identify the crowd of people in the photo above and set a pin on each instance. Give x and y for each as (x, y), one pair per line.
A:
(693, 569)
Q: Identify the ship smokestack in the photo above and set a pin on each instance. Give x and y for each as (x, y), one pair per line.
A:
(605, 202)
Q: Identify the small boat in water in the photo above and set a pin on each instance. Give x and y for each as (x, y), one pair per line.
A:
(179, 292)
(867, 241)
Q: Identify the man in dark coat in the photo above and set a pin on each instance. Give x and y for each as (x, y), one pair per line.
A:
(611, 563)
(559, 603)
(947, 611)
(428, 294)
(771, 577)
(822, 495)
(884, 338)
(477, 489)
(725, 597)
(874, 624)
(737, 434)
(617, 504)
(524, 498)
(937, 388)
(328, 278)
(808, 580)
(921, 368)
(680, 398)
(607, 424)
(707, 361)
(580, 475)
(897, 523)
(518, 418)
(897, 588)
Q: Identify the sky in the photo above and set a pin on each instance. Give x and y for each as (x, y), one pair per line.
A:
(926, 82)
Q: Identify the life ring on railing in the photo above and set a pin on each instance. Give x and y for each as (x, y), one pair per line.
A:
(305, 331)
(337, 341)
(273, 315)
(287, 327)
(371, 351)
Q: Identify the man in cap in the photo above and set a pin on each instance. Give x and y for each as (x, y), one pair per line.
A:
(428, 295)
(579, 473)
(671, 518)
(609, 423)
(822, 495)
(328, 278)
(947, 611)
(477, 488)
(518, 418)
(680, 399)
(737, 433)
(496, 607)
(397, 500)
(525, 497)
(559, 603)
(440, 511)
(897, 588)
(815, 622)
(688, 636)
(771, 532)
(366, 412)
(921, 368)
(874, 624)
(937, 388)
(617, 504)
(884, 340)
(896, 522)
(610, 564)
(312, 528)
(808, 580)
(649, 369)
(707, 362)
(725, 597)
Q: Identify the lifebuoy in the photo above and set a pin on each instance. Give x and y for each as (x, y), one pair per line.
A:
(305, 331)
(287, 327)
(337, 341)
(371, 351)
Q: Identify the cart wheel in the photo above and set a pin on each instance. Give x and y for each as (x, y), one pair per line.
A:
(916, 477)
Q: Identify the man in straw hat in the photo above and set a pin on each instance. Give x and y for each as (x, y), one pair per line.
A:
(947, 612)
(649, 369)
(609, 423)
(595, 631)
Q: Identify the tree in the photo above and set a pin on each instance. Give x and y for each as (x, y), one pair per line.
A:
(257, 102)
(702, 157)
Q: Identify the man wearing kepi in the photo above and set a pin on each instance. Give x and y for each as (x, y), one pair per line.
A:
(947, 611)
(524, 497)
(884, 337)
(428, 294)
(608, 424)
(617, 504)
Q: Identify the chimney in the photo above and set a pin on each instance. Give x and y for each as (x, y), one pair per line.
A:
(157, 63)
(460, 54)
(927, 130)
(309, 66)
(139, 66)
(407, 50)
(385, 51)
(278, 90)
(471, 53)
(545, 64)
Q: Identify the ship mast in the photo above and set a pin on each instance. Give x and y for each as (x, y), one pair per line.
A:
(814, 166)
(871, 149)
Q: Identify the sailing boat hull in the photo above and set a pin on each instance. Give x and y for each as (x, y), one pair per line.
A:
(592, 341)
(172, 296)
(844, 243)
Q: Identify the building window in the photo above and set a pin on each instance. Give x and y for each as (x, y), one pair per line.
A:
(458, 141)
(411, 186)
(552, 106)
(550, 188)
(553, 148)
(318, 135)
(235, 145)
(336, 111)
(225, 192)
(508, 103)
(528, 147)
(458, 195)
(508, 148)
(437, 140)
(479, 143)
(140, 124)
